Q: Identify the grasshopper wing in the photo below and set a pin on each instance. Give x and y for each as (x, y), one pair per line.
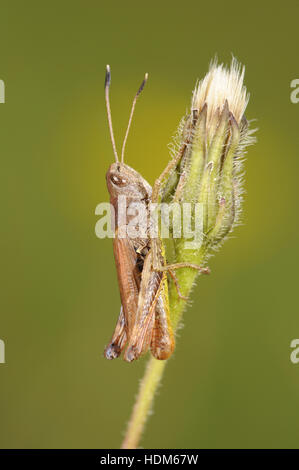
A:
(128, 273)
(119, 338)
(149, 292)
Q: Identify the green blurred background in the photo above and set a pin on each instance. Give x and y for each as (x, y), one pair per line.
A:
(230, 382)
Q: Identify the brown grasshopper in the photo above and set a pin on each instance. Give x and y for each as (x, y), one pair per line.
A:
(144, 319)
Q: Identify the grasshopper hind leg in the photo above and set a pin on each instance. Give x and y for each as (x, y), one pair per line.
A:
(162, 343)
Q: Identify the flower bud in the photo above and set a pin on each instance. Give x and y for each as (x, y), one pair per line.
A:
(214, 134)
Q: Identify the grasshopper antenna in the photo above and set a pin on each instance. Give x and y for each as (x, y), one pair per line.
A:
(131, 116)
(107, 87)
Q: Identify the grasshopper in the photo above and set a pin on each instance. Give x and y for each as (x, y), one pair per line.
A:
(144, 319)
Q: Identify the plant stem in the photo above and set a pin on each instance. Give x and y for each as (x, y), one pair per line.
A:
(148, 387)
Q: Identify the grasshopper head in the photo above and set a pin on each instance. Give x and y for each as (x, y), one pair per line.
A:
(122, 180)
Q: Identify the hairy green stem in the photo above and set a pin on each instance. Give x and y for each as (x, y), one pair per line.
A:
(148, 387)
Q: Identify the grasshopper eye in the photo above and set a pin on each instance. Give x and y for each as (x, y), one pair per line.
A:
(118, 180)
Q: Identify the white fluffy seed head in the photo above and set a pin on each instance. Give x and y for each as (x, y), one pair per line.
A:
(221, 84)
